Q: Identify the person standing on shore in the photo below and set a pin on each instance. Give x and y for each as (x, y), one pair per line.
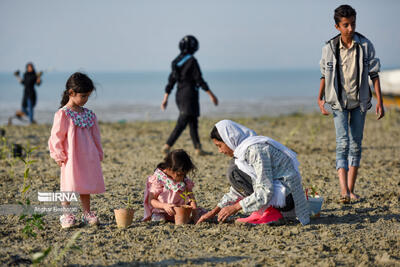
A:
(29, 80)
(347, 61)
(186, 72)
(75, 145)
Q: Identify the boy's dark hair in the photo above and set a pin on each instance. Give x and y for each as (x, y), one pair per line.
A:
(178, 161)
(214, 134)
(344, 11)
(79, 83)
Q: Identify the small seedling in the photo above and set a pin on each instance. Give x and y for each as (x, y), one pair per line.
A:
(186, 197)
(38, 257)
(57, 254)
(128, 204)
(34, 220)
(28, 162)
(70, 245)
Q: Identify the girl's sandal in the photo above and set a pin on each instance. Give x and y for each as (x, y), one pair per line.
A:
(344, 199)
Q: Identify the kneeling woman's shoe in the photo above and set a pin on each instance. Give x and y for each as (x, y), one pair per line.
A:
(270, 215)
(254, 216)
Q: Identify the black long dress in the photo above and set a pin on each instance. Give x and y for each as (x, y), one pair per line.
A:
(29, 81)
(186, 72)
(189, 79)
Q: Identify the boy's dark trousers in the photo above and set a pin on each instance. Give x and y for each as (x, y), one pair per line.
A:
(183, 120)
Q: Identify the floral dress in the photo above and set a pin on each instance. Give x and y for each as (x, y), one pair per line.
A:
(75, 140)
(166, 190)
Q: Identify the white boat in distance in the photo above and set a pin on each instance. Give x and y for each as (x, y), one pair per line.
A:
(390, 87)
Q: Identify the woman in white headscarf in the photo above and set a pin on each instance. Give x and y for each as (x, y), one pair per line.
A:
(264, 177)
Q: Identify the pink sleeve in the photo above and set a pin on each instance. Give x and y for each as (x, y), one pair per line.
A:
(58, 136)
(152, 186)
(96, 137)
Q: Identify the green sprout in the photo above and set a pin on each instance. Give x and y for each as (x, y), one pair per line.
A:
(128, 204)
(186, 197)
(57, 254)
(28, 162)
(34, 220)
(70, 245)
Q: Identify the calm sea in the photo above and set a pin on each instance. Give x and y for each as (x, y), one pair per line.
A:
(137, 96)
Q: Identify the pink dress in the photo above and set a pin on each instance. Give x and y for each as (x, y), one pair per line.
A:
(75, 139)
(167, 190)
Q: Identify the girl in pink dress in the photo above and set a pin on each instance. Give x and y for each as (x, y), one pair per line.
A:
(164, 188)
(76, 147)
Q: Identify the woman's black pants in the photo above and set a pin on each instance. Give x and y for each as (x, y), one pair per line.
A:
(181, 124)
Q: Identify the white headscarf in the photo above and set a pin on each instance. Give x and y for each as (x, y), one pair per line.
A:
(238, 138)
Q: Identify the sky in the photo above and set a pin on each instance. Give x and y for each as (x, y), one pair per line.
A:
(122, 35)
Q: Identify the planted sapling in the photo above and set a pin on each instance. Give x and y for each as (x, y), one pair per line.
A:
(186, 197)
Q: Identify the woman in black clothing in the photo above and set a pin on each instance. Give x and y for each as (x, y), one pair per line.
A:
(186, 72)
(29, 80)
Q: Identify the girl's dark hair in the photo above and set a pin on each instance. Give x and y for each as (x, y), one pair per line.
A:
(215, 134)
(178, 161)
(344, 11)
(79, 83)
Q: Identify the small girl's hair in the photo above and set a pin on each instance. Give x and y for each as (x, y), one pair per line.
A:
(79, 83)
(178, 161)
(214, 134)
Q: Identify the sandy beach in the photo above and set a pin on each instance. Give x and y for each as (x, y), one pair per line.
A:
(365, 233)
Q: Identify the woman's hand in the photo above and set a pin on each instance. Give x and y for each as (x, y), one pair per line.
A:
(209, 215)
(213, 98)
(164, 102)
(169, 209)
(228, 211)
(195, 215)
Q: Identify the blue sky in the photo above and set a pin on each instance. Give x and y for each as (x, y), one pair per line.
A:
(97, 35)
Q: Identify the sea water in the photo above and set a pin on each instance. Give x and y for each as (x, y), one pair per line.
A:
(135, 96)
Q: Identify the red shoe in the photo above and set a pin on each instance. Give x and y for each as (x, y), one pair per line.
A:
(270, 215)
(254, 216)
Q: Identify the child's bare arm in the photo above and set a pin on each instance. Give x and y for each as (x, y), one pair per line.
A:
(321, 101)
(380, 110)
(169, 208)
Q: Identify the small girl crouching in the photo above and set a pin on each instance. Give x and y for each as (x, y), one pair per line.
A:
(164, 188)
(76, 147)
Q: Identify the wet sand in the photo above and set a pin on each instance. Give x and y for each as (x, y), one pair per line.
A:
(365, 233)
